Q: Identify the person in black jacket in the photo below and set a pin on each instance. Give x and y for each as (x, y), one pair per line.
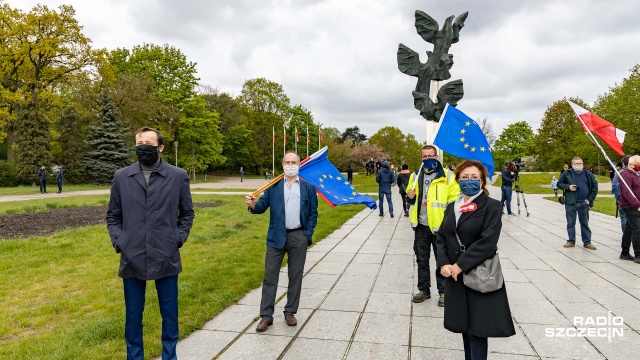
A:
(42, 176)
(507, 187)
(403, 182)
(350, 174)
(475, 218)
(59, 177)
(384, 178)
(581, 189)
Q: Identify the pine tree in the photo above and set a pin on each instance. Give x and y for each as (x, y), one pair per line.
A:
(32, 143)
(73, 146)
(108, 150)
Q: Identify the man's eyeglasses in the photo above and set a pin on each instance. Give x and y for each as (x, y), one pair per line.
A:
(429, 156)
(473, 177)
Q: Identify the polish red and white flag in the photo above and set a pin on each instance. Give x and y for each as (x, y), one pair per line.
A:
(608, 132)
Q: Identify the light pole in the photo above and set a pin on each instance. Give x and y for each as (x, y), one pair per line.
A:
(175, 144)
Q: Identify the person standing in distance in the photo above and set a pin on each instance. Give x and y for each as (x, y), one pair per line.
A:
(581, 188)
(42, 177)
(507, 187)
(293, 218)
(384, 178)
(59, 176)
(149, 218)
(430, 191)
(350, 174)
(241, 174)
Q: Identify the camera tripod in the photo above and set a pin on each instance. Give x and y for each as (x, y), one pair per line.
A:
(518, 189)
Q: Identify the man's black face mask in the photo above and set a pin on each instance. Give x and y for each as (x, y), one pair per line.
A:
(147, 154)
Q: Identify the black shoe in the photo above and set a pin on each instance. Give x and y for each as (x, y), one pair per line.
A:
(441, 300)
(391, 214)
(420, 297)
(626, 257)
(636, 260)
(406, 214)
(380, 214)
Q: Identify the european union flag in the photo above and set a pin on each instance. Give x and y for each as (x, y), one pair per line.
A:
(331, 185)
(460, 136)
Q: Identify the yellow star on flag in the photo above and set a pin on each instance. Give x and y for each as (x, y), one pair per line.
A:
(466, 146)
(339, 178)
(467, 123)
(461, 139)
(482, 149)
(324, 176)
(473, 149)
(463, 131)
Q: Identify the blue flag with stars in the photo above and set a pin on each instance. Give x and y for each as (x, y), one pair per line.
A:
(331, 185)
(460, 136)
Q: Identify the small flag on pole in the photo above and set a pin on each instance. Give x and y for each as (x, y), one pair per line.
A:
(274, 135)
(460, 136)
(297, 138)
(308, 138)
(320, 134)
(591, 122)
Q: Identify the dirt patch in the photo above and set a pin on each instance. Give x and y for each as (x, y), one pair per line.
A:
(43, 223)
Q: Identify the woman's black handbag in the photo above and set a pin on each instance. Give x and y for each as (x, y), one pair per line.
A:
(486, 277)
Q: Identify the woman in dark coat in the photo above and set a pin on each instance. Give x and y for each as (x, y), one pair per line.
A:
(477, 219)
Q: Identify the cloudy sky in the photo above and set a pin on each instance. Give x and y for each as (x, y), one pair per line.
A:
(337, 58)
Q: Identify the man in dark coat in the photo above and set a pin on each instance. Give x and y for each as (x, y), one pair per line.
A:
(384, 178)
(293, 218)
(507, 187)
(59, 177)
(581, 189)
(350, 174)
(42, 177)
(403, 183)
(149, 218)
(629, 204)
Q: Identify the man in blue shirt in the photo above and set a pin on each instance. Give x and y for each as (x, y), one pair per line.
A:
(293, 218)
(507, 190)
(581, 188)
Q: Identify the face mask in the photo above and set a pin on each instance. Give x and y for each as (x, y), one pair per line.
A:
(429, 165)
(147, 154)
(290, 170)
(577, 168)
(470, 187)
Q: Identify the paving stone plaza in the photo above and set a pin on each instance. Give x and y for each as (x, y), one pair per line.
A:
(358, 283)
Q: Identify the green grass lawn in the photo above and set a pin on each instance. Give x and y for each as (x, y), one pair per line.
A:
(366, 184)
(52, 187)
(541, 183)
(62, 299)
(15, 207)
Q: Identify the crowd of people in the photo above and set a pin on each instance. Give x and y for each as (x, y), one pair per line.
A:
(150, 215)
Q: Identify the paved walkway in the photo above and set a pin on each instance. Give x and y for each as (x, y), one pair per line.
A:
(356, 298)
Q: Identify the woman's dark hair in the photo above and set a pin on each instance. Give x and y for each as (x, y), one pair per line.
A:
(483, 172)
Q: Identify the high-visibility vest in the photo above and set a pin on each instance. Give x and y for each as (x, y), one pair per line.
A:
(442, 191)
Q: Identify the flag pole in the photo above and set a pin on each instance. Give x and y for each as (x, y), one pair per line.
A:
(284, 139)
(595, 141)
(273, 150)
(295, 140)
(307, 140)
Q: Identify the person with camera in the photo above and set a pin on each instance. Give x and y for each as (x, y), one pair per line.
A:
(507, 186)
(581, 188)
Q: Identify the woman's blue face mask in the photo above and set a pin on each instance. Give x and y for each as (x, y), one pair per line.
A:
(469, 187)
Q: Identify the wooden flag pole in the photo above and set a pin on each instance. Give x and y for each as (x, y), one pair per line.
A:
(275, 180)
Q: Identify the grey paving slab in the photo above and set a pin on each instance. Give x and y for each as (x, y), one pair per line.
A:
(369, 351)
(333, 325)
(389, 303)
(356, 297)
(383, 329)
(251, 346)
(204, 344)
(314, 349)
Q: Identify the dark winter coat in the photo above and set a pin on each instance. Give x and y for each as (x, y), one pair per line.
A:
(403, 181)
(466, 310)
(149, 223)
(385, 179)
(568, 178)
(42, 174)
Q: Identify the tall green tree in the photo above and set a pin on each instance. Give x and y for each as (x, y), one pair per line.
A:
(354, 134)
(73, 147)
(392, 141)
(200, 142)
(515, 141)
(39, 51)
(267, 107)
(561, 137)
(107, 145)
